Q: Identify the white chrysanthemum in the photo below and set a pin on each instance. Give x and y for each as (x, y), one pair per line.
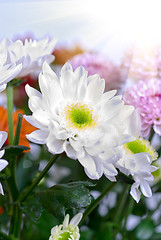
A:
(3, 163)
(136, 161)
(30, 54)
(7, 71)
(74, 115)
(67, 231)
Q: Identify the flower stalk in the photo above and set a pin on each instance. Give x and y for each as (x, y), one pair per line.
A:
(122, 203)
(27, 192)
(151, 134)
(18, 129)
(95, 203)
(16, 213)
(10, 112)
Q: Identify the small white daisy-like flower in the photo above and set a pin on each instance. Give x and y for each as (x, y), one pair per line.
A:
(73, 114)
(67, 230)
(3, 163)
(137, 161)
(7, 71)
(31, 54)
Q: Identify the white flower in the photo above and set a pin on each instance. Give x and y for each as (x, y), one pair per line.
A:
(7, 71)
(137, 161)
(3, 163)
(31, 54)
(67, 231)
(74, 115)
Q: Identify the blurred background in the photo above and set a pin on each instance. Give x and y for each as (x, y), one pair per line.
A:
(105, 25)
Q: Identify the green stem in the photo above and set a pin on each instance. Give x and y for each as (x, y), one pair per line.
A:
(13, 162)
(10, 112)
(151, 134)
(15, 223)
(18, 129)
(11, 182)
(129, 211)
(120, 210)
(26, 193)
(12, 189)
(14, 193)
(16, 213)
(122, 203)
(95, 203)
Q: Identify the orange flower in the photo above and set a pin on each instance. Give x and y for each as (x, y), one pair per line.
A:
(63, 54)
(25, 129)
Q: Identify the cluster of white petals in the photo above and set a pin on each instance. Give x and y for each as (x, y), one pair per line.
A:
(3, 163)
(67, 230)
(7, 70)
(31, 54)
(138, 164)
(73, 114)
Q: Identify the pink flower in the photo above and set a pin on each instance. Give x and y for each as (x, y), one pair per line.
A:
(146, 97)
(95, 63)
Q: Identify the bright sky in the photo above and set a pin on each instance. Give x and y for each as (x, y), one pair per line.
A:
(106, 25)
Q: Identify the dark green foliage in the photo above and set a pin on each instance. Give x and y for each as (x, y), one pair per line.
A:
(13, 151)
(60, 197)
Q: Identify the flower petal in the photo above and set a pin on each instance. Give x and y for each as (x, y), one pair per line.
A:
(3, 138)
(1, 189)
(76, 219)
(95, 88)
(32, 91)
(38, 136)
(89, 165)
(135, 193)
(145, 188)
(54, 145)
(157, 129)
(71, 153)
(3, 164)
(66, 221)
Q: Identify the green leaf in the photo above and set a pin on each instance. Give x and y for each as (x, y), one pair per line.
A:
(13, 151)
(65, 196)
(32, 208)
(40, 229)
(5, 174)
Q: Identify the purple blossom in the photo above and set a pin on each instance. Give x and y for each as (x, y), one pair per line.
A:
(146, 97)
(95, 63)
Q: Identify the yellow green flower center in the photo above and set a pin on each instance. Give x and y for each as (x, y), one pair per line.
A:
(140, 145)
(70, 232)
(80, 116)
(64, 236)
